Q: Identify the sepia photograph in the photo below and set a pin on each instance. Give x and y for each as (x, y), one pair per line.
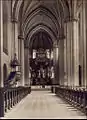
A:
(43, 59)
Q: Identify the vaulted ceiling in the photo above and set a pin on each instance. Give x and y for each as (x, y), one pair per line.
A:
(35, 16)
(41, 40)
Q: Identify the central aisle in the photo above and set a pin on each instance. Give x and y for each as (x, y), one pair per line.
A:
(43, 104)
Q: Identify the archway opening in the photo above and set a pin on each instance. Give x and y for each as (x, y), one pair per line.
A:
(41, 61)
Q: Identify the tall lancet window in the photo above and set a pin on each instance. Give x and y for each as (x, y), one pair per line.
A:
(34, 54)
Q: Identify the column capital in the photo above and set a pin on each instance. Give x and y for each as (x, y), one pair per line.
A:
(26, 47)
(14, 20)
(61, 37)
(55, 45)
(20, 37)
(70, 19)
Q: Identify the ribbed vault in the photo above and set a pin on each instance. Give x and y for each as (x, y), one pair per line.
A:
(35, 15)
(41, 40)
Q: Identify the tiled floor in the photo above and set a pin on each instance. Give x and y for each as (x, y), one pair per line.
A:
(43, 104)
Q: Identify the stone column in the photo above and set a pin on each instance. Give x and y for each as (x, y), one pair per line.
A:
(1, 62)
(1, 44)
(67, 48)
(71, 51)
(56, 64)
(76, 53)
(30, 82)
(84, 40)
(14, 42)
(22, 59)
(26, 60)
(53, 82)
(85, 43)
(61, 60)
(15, 37)
(65, 57)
